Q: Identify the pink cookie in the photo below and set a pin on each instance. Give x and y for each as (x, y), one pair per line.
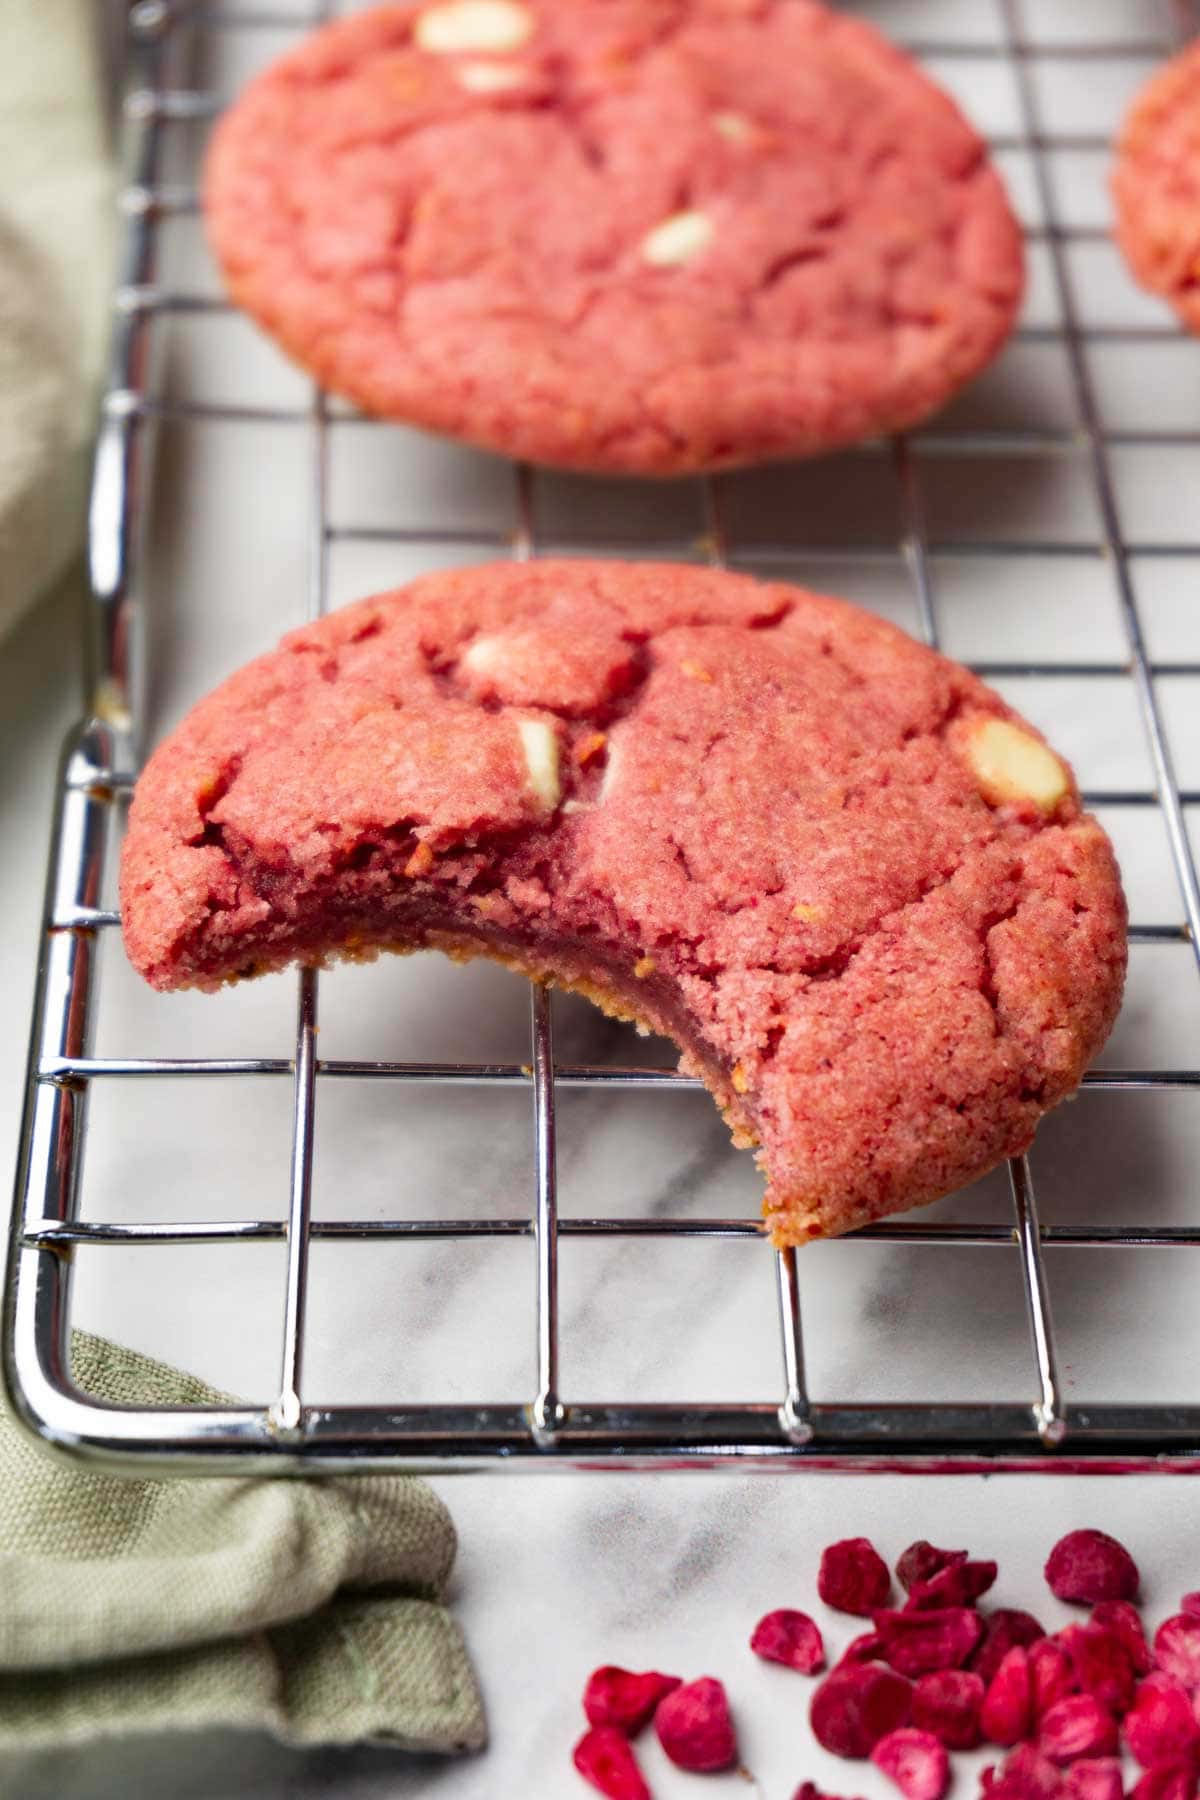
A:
(649, 236)
(1156, 185)
(852, 886)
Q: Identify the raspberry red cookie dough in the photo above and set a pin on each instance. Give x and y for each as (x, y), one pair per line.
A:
(619, 235)
(856, 890)
(1156, 185)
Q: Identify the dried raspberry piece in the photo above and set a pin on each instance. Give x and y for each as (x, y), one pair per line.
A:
(1003, 1630)
(866, 1648)
(626, 1701)
(1125, 1620)
(947, 1703)
(1177, 1649)
(808, 1790)
(916, 1761)
(790, 1638)
(1052, 1674)
(1025, 1775)
(1168, 1781)
(1007, 1711)
(1101, 1663)
(1088, 1566)
(917, 1642)
(960, 1585)
(695, 1728)
(1094, 1778)
(604, 1756)
(853, 1577)
(1190, 1604)
(856, 1705)
(1077, 1726)
(922, 1561)
(1159, 1726)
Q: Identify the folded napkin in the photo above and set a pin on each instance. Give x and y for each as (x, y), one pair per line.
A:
(56, 235)
(309, 1609)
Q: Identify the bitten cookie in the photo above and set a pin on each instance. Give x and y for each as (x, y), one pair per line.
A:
(834, 867)
(1156, 185)
(651, 236)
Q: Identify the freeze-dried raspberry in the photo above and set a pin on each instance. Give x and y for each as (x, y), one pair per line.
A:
(1077, 1726)
(916, 1761)
(624, 1700)
(790, 1638)
(808, 1790)
(918, 1642)
(604, 1756)
(1025, 1775)
(1101, 1663)
(1003, 1630)
(1007, 1712)
(1159, 1726)
(853, 1577)
(947, 1703)
(1088, 1566)
(1177, 1649)
(1094, 1778)
(1125, 1620)
(959, 1585)
(1052, 1674)
(856, 1705)
(922, 1561)
(695, 1728)
(1168, 1781)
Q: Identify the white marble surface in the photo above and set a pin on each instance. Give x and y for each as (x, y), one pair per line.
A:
(559, 1573)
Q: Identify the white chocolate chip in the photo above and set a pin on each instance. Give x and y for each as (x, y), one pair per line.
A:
(678, 239)
(540, 747)
(464, 26)
(1012, 765)
(489, 77)
(734, 126)
(482, 655)
(609, 779)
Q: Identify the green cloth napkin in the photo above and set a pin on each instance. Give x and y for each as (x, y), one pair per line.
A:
(57, 218)
(310, 1609)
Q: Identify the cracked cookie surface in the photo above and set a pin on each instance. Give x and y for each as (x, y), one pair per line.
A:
(1156, 185)
(651, 236)
(833, 866)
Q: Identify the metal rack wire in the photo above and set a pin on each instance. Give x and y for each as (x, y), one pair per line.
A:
(286, 1434)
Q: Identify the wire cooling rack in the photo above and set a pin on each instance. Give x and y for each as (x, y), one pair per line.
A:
(287, 1432)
